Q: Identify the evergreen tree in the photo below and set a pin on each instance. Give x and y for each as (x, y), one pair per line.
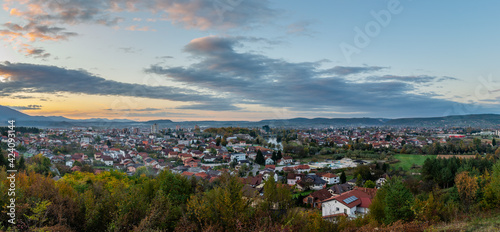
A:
(343, 178)
(274, 156)
(3, 160)
(260, 158)
(493, 142)
(398, 201)
(279, 155)
(21, 164)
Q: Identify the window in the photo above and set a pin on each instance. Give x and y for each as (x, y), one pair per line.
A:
(345, 211)
(338, 209)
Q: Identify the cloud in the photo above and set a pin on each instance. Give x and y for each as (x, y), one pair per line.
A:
(416, 79)
(31, 78)
(215, 106)
(344, 70)
(299, 28)
(158, 114)
(130, 50)
(250, 78)
(28, 107)
(138, 28)
(34, 52)
(34, 31)
(164, 57)
(144, 109)
(199, 14)
(411, 79)
(40, 20)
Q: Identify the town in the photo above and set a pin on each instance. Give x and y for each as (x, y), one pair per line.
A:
(335, 171)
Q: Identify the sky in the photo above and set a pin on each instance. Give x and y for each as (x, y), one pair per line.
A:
(249, 60)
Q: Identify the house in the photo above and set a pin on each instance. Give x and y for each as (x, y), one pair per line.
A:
(292, 178)
(339, 189)
(173, 154)
(70, 163)
(191, 162)
(302, 168)
(238, 157)
(311, 182)
(209, 158)
(57, 159)
(269, 161)
(285, 160)
(108, 161)
(196, 153)
(380, 181)
(253, 181)
(314, 199)
(185, 156)
(330, 178)
(353, 203)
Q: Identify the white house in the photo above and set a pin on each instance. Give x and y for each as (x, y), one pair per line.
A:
(108, 161)
(351, 204)
(269, 161)
(238, 156)
(285, 160)
(69, 163)
(292, 178)
(331, 178)
(380, 181)
(302, 168)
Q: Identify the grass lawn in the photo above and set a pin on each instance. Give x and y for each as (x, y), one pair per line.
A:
(297, 195)
(407, 160)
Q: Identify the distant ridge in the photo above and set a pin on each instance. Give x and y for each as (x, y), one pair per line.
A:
(472, 120)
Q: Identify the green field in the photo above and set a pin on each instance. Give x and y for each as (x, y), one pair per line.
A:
(406, 160)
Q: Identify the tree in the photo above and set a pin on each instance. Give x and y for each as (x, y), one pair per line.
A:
(279, 156)
(493, 142)
(260, 158)
(398, 201)
(277, 196)
(40, 164)
(467, 187)
(359, 180)
(21, 165)
(3, 160)
(377, 208)
(343, 177)
(364, 171)
(274, 157)
(492, 190)
(87, 168)
(369, 184)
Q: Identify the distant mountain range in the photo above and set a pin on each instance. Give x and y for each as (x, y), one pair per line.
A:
(473, 120)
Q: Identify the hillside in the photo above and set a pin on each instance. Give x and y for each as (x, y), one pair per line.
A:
(472, 120)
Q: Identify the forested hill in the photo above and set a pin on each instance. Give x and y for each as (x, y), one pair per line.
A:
(472, 120)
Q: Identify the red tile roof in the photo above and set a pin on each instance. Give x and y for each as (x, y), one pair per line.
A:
(330, 175)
